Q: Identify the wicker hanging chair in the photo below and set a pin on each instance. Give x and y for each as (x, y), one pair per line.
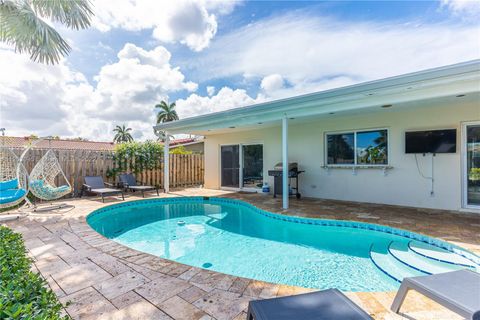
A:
(42, 178)
(13, 179)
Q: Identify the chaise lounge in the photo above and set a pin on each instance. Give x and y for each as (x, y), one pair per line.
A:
(129, 182)
(95, 184)
(458, 291)
(320, 305)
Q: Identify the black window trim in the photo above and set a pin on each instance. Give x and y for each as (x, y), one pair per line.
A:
(355, 164)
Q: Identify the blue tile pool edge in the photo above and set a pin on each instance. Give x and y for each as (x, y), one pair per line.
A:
(296, 219)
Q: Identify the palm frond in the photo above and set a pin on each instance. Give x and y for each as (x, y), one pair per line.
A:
(22, 28)
(167, 112)
(75, 14)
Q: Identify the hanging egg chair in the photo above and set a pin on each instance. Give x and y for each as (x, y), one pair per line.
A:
(13, 179)
(42, 178)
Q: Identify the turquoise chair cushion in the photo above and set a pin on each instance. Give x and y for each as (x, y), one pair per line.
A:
(9, 184)
(57, 190)
(11, 195)
(46, 191)
(36, 183)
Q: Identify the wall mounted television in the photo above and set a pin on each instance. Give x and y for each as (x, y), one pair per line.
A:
(431, 141)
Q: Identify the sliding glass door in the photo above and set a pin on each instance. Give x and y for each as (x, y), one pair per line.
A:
(472, 165)
(252, 166)
(242, 166)
(230, 166)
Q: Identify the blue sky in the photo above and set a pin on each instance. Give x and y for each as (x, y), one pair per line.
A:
(215, 55)
(104, 46)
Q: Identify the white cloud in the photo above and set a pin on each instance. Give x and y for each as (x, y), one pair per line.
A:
(190, 22)
(222, 7)
(139, 78)
(466, 8)
(272, 83)
(225, 99)
(54, 100)
(308, 49)
(210, 90)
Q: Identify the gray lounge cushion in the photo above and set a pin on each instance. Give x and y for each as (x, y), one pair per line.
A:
(321, 305)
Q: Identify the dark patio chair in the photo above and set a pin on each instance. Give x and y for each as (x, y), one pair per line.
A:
(129, 182)
(95, 184)
(321, 305)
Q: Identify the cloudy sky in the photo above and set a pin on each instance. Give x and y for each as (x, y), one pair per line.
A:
(211, 55)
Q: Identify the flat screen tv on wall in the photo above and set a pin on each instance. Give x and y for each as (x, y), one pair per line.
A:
(431, 141)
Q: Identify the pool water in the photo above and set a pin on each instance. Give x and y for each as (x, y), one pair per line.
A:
(233, 238)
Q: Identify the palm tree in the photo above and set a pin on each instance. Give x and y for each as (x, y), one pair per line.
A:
(167, 112)
(22, 25)
(122, 134)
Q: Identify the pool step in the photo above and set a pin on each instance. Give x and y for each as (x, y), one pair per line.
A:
(438, 254)
(402, 252)
(393, 268)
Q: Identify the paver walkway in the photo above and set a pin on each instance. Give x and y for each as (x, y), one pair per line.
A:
(101, 279)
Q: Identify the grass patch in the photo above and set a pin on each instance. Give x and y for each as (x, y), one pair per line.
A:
(23, 293)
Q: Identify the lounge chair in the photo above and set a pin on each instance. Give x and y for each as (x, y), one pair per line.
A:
(129, 182)
(96, 185)
(320, 305)
(458, 291)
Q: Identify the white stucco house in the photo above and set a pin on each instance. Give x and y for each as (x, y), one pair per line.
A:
(410, 140)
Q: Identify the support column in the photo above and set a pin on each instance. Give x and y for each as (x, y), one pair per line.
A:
(285, 161)
(166, 164)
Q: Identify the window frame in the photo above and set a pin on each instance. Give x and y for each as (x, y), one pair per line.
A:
(355, 163)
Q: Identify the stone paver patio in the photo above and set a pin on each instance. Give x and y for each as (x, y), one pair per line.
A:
(100, 279)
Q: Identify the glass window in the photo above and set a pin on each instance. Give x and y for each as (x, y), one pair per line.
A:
(340, 148)
(358, 148)
(372, 147)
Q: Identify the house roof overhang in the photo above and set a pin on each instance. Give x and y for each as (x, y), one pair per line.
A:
(457, 79)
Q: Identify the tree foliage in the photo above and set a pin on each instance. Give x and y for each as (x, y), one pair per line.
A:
(122, 134)
(135, 157)
(167, 112)
(180, 150)
(23, 25)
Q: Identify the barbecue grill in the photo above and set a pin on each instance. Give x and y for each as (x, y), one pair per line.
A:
(277, 173)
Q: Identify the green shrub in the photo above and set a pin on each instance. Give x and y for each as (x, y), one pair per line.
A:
(135, 157)
(180, 150)
(23, 293)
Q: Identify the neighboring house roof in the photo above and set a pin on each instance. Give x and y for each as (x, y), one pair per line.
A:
(406, 90)
(22, 142)
(180, 141)
(184, 142)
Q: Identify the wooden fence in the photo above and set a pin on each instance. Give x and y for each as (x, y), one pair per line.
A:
(185, 170)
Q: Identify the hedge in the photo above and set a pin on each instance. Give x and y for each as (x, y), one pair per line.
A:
(23, 293)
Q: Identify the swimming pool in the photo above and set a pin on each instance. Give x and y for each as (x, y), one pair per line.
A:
(236, 238)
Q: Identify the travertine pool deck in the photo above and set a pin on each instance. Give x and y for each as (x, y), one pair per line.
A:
(101, 279)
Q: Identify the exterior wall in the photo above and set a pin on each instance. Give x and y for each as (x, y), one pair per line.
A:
(401, 185)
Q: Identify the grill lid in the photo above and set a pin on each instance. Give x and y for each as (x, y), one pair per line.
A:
(291, 166)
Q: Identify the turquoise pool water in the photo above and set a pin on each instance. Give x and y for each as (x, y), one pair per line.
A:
(235, 238)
